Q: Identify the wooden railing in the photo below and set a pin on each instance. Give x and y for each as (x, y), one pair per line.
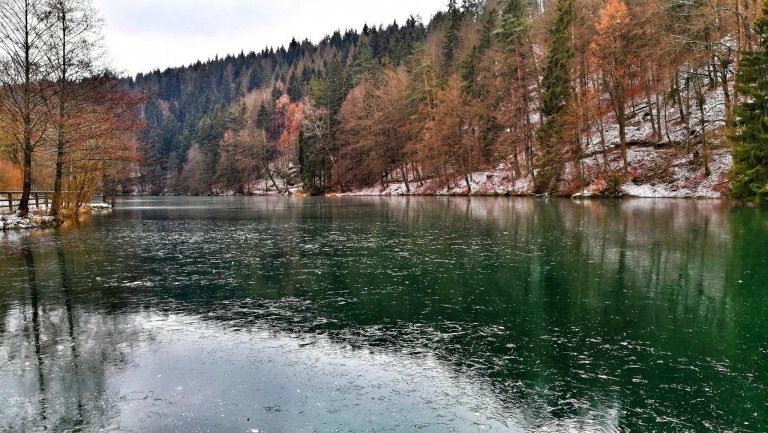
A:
(38, 200)
(9, 200)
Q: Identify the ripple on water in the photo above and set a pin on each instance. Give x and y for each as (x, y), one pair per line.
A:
(400, 315)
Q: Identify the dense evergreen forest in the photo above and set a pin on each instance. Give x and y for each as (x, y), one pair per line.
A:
(538, 87)
(221, 124)
(532, 97)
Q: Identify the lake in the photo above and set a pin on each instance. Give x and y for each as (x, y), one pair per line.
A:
(388, 315)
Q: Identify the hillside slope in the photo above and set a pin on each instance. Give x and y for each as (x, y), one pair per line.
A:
(495, 97)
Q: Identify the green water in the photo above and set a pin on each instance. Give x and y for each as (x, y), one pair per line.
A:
(389, 315)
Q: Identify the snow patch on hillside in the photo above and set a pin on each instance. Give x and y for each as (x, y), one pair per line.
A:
(673, 166)
(674, 129)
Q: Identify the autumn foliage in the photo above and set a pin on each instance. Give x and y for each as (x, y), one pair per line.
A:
(10, 176)
(535, 86)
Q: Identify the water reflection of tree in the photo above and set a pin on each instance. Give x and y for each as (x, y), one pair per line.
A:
(553, 274)
(57, 351)
(536, 297)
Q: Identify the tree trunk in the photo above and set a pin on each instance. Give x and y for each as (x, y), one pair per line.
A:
(62, 90)
(405, 179)
(740, 26)
(606, 165)
(469, 185)
(271, 178)
(621, 118)
(56, 199)
(656, 132)
(658, 115)
(623, 135)
(417, 173)
(27, 182)
(704, 144)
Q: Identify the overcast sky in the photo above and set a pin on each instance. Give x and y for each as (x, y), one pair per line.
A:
(141, 35)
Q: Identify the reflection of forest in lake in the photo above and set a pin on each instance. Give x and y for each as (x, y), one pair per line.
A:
(55, 355)
(642, 314)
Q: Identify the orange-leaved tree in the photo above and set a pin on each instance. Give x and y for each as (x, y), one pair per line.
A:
(613, 58)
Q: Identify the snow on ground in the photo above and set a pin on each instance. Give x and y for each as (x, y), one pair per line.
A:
(37, 219)
(674, 130)
(483, 183)
(100, 206)
(688, 179)
(653, 172)
(16, 222)
(663, 173)
(671, 167)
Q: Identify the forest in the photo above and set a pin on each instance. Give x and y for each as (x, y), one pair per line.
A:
(557, 96)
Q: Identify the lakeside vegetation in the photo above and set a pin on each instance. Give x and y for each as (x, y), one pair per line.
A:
(555, 94)
(66, 122)
(537, 86)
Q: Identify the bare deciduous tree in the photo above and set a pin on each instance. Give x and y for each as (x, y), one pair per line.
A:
(24, 74)
(74, 45)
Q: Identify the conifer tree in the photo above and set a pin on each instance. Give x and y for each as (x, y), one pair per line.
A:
(750, 153)
(518, 72)
(452, 35)
(471, 8)
(556, 94)
(263, 117)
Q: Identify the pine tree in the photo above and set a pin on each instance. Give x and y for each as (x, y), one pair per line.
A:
(263, 117)
(254, 80)
(750, 153)
(556, 94)
(518, 72)
(556, 82)
(513, 23)
(452, 35)
(471, 8)
(469, 74)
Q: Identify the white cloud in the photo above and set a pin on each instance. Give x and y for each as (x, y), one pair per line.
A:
(146, 34)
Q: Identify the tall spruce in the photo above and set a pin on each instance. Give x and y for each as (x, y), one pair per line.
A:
(451, 42)
(556, 94)
(750, 153)
(518, 70)
(513, 23)
(472, 83)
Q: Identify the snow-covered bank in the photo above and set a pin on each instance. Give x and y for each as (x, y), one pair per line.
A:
(653, 172)
(16, 222)
(34, 221)
(677, 165)
(100, 206)
(664, 173)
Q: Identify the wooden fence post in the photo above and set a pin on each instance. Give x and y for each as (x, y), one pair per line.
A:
(10, 202)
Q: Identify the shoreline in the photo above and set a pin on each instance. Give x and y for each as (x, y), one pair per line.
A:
(652, 172)
(366, 195)
(14, 222)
